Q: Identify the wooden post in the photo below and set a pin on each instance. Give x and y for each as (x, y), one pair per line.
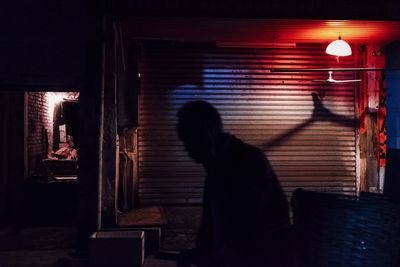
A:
(368, 108)
(15, 156)
(109, 129)
(3, 154)
(90, 120)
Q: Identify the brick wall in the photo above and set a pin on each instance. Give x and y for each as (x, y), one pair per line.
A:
(40, 112)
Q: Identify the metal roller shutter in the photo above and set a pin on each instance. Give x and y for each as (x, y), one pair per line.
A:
(256, 105)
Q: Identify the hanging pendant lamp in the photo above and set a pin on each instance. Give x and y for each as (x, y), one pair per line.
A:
(339, 48)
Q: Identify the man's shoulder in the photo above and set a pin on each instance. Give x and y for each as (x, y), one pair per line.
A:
(249, 151)
(252, 162)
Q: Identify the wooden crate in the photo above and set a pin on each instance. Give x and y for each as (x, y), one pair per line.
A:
(116, 248)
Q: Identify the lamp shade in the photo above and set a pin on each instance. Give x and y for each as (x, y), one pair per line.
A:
(338, 48)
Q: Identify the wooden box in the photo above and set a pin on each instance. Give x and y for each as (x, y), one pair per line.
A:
(116, 248)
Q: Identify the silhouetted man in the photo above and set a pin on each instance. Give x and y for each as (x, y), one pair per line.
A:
(245, 218)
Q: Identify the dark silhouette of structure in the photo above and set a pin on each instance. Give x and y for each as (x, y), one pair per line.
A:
(245, 219)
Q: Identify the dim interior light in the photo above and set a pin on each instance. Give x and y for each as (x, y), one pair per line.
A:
(339, 48)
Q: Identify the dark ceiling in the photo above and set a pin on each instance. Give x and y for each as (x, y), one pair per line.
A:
(259, 32)
(262, 9)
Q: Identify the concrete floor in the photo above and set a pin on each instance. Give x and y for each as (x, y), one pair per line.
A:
(181, 229)
(53, 246)
(38, 258)
(58, 258)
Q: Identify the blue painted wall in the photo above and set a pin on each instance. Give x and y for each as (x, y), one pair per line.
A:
(393, 107)
(392, 177)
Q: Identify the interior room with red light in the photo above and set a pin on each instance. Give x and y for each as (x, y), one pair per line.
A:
(93, 171)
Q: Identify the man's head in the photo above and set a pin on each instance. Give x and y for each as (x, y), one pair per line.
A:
(199, 124)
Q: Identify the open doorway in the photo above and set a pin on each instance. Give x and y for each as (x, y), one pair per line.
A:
(38, 169)
(52, 145)
(52, 135)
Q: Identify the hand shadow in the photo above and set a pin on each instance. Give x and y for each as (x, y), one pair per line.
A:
(320, 113)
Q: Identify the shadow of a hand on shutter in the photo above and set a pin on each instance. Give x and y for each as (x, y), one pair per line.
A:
(320, 113)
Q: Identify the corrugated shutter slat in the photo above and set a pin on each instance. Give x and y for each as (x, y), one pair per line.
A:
(257, 106)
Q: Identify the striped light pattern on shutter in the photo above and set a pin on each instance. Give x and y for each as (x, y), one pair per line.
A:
(310, 144)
